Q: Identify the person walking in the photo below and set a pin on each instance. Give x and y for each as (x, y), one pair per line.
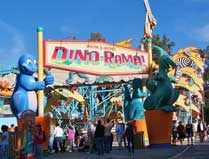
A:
(90, 133)
(124, 136)
(174, 133)
(51, 138)
(76, 137)
(70, 138)
(195, 133)
(4, 142)
(130, 133)
(64, 137)
(38, 139)
(58, 137)
(107, 136)
(201, 128)
(189, 132)
(99, 137)
(120, 131)
(181, 132)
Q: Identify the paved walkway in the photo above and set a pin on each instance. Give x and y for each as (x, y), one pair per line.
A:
(197, 151)
(147, 153)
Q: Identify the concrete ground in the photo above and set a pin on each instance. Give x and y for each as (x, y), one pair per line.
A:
(197, 151)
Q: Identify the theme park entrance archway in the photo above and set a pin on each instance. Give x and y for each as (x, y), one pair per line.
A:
(96, 70)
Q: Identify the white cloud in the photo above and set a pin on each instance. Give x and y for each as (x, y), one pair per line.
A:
(12, 44)
(201, 34)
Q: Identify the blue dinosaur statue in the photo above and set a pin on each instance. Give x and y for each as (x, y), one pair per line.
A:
(133, 106)
(24, 96)
(163, 95)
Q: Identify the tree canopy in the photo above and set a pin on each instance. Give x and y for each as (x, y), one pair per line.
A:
(163, 42)
(206, 50)
(96, 36)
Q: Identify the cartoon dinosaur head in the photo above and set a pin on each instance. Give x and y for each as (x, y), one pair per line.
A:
(137, 86)
(165, 62)
(137, 83)
(27, 64)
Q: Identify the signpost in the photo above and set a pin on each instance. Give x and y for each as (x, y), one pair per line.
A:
(97, 58)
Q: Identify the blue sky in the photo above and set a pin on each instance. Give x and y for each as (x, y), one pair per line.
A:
(185, 22)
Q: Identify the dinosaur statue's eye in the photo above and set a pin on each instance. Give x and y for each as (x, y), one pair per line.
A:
(28, 62)
(35, 62)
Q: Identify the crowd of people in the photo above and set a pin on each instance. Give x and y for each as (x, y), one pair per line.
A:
(190, 131)
(98, 137)
(4, 139)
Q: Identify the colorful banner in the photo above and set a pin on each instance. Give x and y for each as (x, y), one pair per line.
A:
(97, 58)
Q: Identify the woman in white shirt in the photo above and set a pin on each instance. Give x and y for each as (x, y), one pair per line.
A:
(58, 134)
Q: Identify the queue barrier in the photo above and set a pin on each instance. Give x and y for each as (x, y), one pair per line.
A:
(139, 140)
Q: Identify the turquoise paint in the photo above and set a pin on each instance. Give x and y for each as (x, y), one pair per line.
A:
(163, 95)
(133, 106)
(40, 29)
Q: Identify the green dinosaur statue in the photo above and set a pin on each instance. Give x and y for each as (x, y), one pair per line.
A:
(163, 95)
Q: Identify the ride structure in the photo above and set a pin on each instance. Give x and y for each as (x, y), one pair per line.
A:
(188, 75)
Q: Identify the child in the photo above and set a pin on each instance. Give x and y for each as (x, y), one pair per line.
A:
(71, 135)
(83, 145)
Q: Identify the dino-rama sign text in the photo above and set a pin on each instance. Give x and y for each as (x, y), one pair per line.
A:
(95, 58)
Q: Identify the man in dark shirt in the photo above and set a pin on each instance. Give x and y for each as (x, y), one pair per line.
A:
(189, 131)
(99, 136)
(201, 128)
